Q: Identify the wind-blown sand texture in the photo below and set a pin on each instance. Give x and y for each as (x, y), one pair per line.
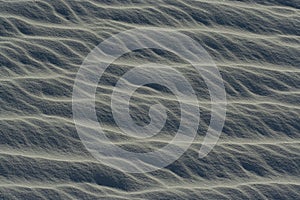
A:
(256, 46)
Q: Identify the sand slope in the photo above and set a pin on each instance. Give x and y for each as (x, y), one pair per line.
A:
(256, 46)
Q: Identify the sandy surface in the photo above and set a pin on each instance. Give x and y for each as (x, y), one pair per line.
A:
(256, 46)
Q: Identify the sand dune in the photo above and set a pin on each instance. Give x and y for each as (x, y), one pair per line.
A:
(256, 47)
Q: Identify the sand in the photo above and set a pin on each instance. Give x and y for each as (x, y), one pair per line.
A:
(256, 47)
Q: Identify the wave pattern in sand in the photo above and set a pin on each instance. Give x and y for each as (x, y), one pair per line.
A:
(256, 46)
